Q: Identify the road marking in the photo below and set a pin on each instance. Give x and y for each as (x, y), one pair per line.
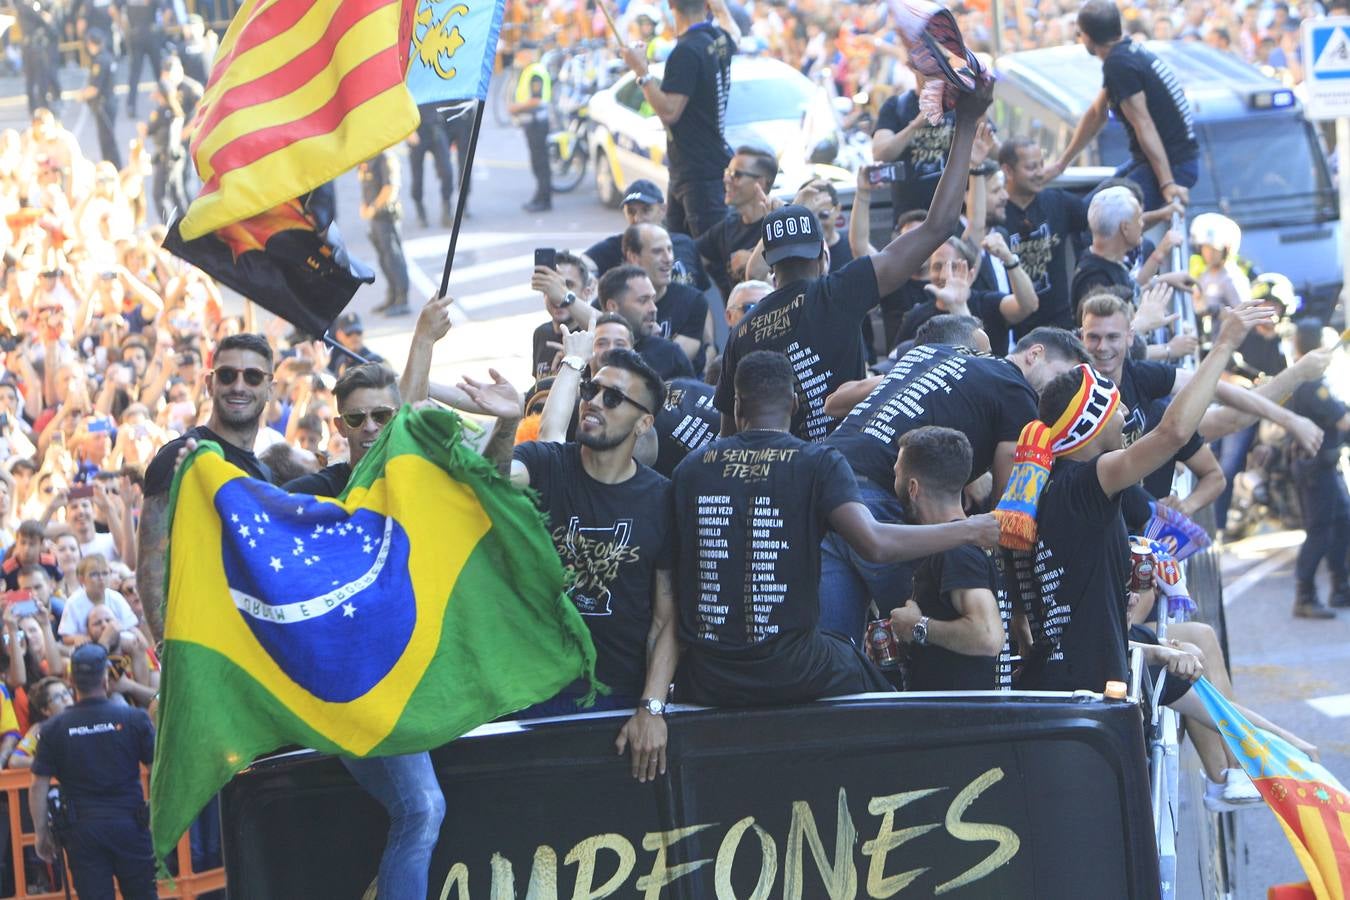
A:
(1233, 592)
(487, 299)
(524, 264)
(1336, 706)
(437, 244)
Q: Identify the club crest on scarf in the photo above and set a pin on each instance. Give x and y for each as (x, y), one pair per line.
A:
(325, 593)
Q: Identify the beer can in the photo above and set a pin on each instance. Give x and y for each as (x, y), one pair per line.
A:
(882, 646)
(1141, 569)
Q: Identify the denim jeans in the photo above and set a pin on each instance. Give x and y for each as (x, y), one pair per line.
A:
(1232, 450)
(1140, 172)
(406, 787)
(848, 582)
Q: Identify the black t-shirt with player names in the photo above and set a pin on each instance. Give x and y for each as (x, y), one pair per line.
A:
(1041, 235)
(686, 422)
(987, 306)
(751, 511)
(1080, 568)
(817, 325)
(934, 668)
(919, 167)
(614, 537)
(699, 68)
(986, 399)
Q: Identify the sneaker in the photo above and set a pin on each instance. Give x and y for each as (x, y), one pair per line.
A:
(401, 309)
(1235, 792)
(535, 206)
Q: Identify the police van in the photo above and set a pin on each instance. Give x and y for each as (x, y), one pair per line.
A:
(1261, 162)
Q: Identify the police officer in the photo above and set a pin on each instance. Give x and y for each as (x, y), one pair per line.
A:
(95, 749)
(534, 93)
(380, 207)
(144, 41)
(1321, 489)
(41, 33)
(99, 93)
(432, 136)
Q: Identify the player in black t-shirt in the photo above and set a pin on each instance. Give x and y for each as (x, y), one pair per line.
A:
(816, 318)
(1041, 223)
(628, 291)
(1072, 586)
(685, 423)
(681, 312)
(611, 522)
(644, 202)
(725, 247)
(917, 148)
(691, 101)
(563, 287)
(956, 624)
(240, 386)
(1144, 95)
(749, 508)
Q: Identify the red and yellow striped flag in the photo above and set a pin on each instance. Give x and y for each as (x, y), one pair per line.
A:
(300, 92)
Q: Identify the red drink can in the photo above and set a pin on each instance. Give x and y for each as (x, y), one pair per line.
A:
(882, 646)
(1141, 569)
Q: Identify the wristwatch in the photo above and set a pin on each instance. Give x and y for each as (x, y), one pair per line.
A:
(653, 706)
(568, 299)
(1012, 263)
(643, 79)
(921, 631)
(575, 363)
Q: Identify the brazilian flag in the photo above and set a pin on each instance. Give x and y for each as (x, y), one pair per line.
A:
(424, 602)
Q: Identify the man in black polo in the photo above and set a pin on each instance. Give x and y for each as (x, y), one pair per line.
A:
(95, 749)
(693, 96)
(815, 318)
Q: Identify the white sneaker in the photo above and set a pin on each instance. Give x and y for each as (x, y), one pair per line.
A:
(1235, 792)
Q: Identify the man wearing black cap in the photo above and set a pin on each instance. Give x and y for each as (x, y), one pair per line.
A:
(350, 333)
(814, 318)
(95, 749)
(643, 204)
(99, 93)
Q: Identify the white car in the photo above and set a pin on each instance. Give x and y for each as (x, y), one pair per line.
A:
(771, 105)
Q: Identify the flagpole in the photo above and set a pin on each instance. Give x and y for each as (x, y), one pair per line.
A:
(460, 200)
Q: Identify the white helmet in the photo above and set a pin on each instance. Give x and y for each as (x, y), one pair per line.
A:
(1219, 232)
(1274, 286)
(643, 10)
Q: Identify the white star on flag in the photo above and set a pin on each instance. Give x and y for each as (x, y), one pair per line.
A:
(275, 564)
(234, 517)
(300, 510)
(348, 610)
(243, 531)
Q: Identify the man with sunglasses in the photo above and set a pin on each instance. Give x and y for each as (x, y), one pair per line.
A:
(726, 246)
(610, 518)
(240, 386)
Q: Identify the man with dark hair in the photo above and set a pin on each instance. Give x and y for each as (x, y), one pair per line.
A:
(815, 318)
(956, 624)
(644, 203)
(749, 509)
(726, 246)
(240, 387)
(1321, 489)
(693, 95)
(563, 287)
(350, 332)
(917, 148)
(988, 400)
(1041, 222)
(1073, 583)
(628, 291)
(681, 311)
(1144, 95)
(954, 331)
(95, 749)
(27, 551)
(610, 518)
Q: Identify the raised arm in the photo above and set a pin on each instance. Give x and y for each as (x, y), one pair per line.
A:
(1224, 420)
(886, 543)
(433, 323)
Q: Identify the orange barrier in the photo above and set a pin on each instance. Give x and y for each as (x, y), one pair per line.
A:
(187, 886)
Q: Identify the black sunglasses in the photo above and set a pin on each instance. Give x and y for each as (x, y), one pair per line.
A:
(612, 396)
(381, 416)
(252, 377)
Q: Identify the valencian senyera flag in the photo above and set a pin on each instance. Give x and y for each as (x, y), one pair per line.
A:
(426, 601)
(290, 260)
(1312, 806)
(301, 92)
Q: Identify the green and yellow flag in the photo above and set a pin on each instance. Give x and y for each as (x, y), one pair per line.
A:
(426, 601)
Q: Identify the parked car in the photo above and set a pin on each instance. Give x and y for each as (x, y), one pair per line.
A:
(771, 105)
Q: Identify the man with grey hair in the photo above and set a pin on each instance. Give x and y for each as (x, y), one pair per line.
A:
(1116, 219)
(743, 298)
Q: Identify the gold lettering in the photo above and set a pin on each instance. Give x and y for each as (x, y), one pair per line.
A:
(841, 878)
(543, 876)
(458, 878)
(660, 876)
(1007, 839)
(878, 884)
(726, 855)
(584, 853)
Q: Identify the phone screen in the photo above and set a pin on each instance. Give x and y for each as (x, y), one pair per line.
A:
(546, 257)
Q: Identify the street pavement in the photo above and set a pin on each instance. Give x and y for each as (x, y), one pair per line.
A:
(1295, 672)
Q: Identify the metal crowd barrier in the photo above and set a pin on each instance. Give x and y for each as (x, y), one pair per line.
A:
(14, 783)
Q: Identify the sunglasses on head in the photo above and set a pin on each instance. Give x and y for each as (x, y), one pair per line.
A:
(380, 415)
(611, 397)
(229, 374)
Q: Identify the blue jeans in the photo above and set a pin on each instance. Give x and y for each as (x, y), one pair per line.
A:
(848, 582)
(406, 787)
(1232, 450)
(1140, 172)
